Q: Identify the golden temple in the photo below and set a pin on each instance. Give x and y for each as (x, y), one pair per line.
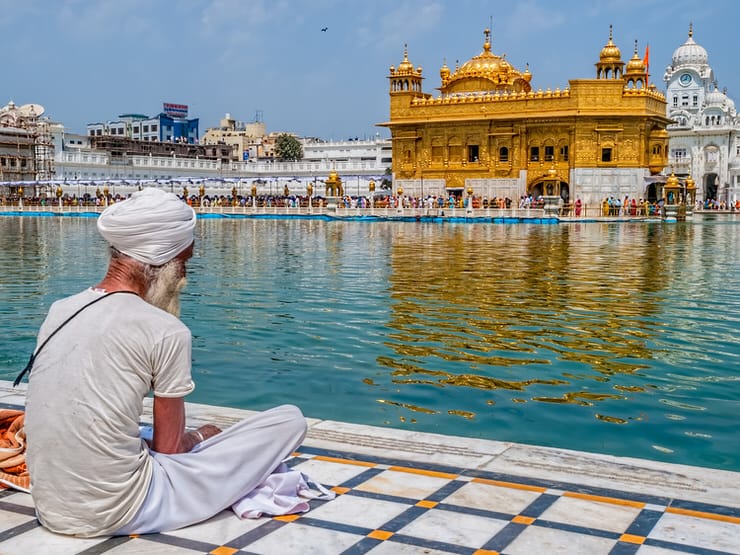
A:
(489, 133)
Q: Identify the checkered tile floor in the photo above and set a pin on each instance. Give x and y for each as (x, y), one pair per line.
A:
(387, 506)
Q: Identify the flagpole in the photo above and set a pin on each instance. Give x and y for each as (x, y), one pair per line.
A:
(646, 60)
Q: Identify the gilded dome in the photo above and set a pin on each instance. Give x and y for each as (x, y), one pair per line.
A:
(405, 65)
(485, 72)
(690, 52)
(610, 52)
(672, 181)
(635, 64)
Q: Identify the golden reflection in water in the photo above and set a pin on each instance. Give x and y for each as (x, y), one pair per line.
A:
(477, 304)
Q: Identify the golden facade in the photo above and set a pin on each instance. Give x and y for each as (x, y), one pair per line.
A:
(488, 130)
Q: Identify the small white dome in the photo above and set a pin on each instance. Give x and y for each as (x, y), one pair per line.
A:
(716, 98)
(690, 52)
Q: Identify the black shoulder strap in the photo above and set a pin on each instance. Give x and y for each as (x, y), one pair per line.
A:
(52, 334)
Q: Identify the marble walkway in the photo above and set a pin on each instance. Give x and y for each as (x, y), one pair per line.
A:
(401, 492)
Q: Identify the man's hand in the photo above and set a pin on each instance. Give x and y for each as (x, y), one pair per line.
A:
(169, 427)
(194, 437)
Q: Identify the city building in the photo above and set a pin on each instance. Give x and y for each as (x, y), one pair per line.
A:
(126, 164)
(490, 133)
(170, 125)
(704, 136)
(26, 147)
(246, 138)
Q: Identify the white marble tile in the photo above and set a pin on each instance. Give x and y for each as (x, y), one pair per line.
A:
(403, 484)
(404, 444)
(142, 546)
(13, 398)
(9, 519)
(455, 528)
(330, 473)
(20, 498)
(591, 514)
(40, 540)
(358, 511)
(223, 527)
(492, 498)
(652, 550)
(296, 539)
(701, 532)
(393, 548)
(535, 539)
(619, 473)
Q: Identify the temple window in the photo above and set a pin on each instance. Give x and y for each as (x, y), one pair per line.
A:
(473, 153)
(695, 100)
(549, 153)
(437, 152)
(606, 154)
(685, 100)
(564, 153)
(503, 154)
(534, 154)
(675, 102)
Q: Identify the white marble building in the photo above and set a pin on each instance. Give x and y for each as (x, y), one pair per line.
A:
(704, 140)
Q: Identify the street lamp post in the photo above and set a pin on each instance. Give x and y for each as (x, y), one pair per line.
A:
(470, 200)
(309, 190)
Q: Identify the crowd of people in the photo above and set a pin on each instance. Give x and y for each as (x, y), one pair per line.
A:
(610, 206)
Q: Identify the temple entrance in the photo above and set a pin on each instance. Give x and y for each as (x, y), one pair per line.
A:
(652, 192)
(711, 186)
(550, 188)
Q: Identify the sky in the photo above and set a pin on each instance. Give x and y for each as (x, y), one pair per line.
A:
(89, 61)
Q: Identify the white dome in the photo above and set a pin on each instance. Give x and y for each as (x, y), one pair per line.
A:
(690, 52)
(715, 98)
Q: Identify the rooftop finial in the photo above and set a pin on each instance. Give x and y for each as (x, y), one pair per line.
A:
(691, 29)
(610, 32)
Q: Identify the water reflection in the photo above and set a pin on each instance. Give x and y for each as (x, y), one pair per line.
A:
(618, 338)
(488, 298)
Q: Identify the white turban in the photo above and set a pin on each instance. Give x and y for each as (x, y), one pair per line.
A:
(151, 226)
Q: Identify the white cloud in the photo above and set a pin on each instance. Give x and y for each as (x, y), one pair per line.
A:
(106, 18)
(407, 19)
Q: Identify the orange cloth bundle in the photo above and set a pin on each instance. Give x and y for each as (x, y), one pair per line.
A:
(13, 471)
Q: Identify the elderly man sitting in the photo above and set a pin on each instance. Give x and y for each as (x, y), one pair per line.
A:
(91, 472)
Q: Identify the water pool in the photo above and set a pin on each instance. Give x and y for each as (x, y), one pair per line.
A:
(618, 338)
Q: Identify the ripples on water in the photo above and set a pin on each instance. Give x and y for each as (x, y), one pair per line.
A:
(617, 338)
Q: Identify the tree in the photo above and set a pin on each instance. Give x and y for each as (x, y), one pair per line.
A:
(288, 148)
(387, 182)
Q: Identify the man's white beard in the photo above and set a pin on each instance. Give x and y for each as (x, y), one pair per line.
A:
(164, 287)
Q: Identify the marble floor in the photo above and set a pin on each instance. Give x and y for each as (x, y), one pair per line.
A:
(401, 492)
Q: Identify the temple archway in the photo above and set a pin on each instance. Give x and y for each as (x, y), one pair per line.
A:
(711, 186)
(549, 186)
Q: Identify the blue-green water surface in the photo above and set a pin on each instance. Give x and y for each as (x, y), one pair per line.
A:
(618, 338)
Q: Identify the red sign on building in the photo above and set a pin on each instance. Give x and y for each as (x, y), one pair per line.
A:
(175, 110)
